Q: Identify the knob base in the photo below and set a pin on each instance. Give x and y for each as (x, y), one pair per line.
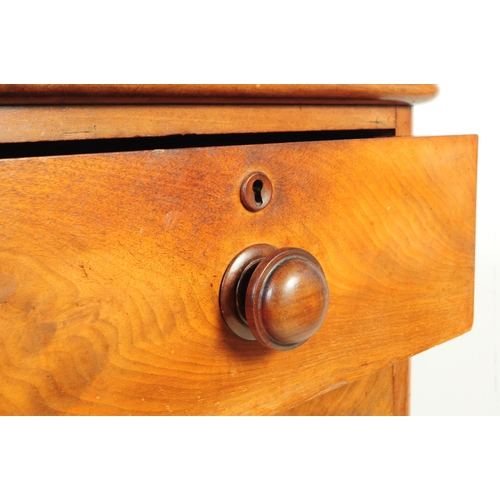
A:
(234, 286)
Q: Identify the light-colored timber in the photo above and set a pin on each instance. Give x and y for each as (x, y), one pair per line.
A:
(110, 266)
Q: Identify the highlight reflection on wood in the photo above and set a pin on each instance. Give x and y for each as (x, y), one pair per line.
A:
(110, 266)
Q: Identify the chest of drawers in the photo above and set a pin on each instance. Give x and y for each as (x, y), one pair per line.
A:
(124, 207)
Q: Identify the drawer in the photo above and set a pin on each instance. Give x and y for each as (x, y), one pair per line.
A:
(111, 266)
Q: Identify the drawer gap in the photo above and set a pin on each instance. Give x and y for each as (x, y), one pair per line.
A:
(90, 146)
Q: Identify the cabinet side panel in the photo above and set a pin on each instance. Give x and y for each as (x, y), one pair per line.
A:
(402, 370)
(369, 396)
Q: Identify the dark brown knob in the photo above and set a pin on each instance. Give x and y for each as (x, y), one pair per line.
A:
(276, 296)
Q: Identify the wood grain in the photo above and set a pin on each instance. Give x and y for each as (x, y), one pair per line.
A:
(59, 123)
(403, 121)
(349, 399)
(369, 396)
(286, 299)
(183, 94)
(110, 267)
(401, 387)
(401, 370)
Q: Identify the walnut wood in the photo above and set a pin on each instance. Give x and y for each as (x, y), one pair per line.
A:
(234, 286)
(369, 396)
(256, 198)
(287, 299)
(110, 267)
(278, 297)
(68, 122)
(263, 93)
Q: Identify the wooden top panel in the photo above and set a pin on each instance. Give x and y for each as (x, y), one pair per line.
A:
(238, 93)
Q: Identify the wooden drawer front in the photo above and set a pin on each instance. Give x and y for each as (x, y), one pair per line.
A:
(110, 267)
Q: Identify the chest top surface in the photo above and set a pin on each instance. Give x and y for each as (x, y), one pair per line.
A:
(231, 93)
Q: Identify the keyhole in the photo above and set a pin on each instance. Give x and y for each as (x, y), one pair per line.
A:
(257, 191)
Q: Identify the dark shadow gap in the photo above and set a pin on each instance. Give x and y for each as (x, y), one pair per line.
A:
(76, 147)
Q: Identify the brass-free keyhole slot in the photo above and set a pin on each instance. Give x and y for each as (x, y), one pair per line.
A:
(257, 190)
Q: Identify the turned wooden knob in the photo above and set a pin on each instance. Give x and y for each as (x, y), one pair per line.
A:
(278, 297)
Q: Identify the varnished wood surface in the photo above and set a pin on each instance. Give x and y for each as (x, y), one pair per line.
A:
(369, 396)
(110, 267)
(401, 373)
(349, 399)
(59, 123)
(278, 297)
(384, 393)
(250, 94)
(403, 121)
(401, 387)
(287, 298)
